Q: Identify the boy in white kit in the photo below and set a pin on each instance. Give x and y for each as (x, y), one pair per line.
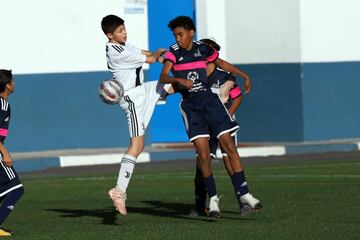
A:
(125, 63)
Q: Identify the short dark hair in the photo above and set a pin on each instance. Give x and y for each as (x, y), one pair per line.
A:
(211, 43)
(182, 21)
(5, 78)
(110, 22)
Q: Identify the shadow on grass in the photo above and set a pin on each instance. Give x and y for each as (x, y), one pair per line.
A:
(154, 208)
(181, 210)
(108, 216)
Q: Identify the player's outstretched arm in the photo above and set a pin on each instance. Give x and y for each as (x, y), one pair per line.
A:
(146, 52)
(152, 57)
(231, 68)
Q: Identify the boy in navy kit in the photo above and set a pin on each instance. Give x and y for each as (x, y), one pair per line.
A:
(224, 84)
(11, 188)
(203, 111)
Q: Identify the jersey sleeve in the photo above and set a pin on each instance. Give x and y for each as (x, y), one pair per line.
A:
(126, 57)
(3, 131)
(3, 115)
(236, 90)
(211, 54)
(169, 56)
(133, 48)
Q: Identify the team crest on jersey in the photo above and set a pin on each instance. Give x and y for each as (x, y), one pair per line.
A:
(197, 54)
(217, 84)
(193, 76)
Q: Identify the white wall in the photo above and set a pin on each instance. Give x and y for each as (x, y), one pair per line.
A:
(330, 30)
(45, 36)
(211, 22)
(256, 31)
(282, 31)
(42, 36)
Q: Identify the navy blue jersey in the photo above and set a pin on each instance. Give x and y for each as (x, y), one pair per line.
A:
(191, 64)
(218, 77)
(9, 179)
(4, 118)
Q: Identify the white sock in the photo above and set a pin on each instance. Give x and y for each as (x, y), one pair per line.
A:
(126, 169)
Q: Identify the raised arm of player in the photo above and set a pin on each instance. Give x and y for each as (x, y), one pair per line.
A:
(220, 63)
(152, 57)
(165, 78)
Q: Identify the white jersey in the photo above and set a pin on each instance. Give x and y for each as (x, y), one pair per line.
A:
(125, 63)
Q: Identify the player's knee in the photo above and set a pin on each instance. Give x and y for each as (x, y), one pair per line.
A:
(229, 149)
(204, 158)
(140, 148)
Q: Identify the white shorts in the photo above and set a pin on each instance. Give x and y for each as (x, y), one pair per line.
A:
(138, 104)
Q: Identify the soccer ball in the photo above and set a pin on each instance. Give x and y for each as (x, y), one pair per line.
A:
(111, 91)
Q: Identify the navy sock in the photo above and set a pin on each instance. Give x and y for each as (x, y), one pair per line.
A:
(200, 191)
(239, 182)
(210, 185)
(8, 203)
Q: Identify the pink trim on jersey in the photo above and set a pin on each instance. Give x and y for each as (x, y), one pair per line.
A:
(189, 66)
(213, 57)
(170, 56)
(4, 132)
(234, 93)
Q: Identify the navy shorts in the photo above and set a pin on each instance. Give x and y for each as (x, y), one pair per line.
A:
(207, 115)
(214, 144)
(9, 180)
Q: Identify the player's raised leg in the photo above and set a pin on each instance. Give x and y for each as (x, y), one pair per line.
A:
(118, 194)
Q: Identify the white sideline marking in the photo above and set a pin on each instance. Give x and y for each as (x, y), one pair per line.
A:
(258, 151)
(262, 151)
(70, 161)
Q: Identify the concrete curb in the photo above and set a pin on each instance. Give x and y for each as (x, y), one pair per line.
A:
(32, 161)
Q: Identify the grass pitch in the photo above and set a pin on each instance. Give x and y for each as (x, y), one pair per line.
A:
(318, 200)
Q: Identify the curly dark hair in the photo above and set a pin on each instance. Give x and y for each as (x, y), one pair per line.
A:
(182, 21)
(211, 43)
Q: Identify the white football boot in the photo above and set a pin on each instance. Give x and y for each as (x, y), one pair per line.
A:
(118, 197)
(214, 210)
(247, 201)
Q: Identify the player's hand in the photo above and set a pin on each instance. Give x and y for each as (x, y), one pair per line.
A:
(247, 84)
(185, 82)
(7, 160)
(161, 50)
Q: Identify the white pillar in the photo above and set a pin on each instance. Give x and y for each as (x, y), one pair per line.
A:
(211, 22)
